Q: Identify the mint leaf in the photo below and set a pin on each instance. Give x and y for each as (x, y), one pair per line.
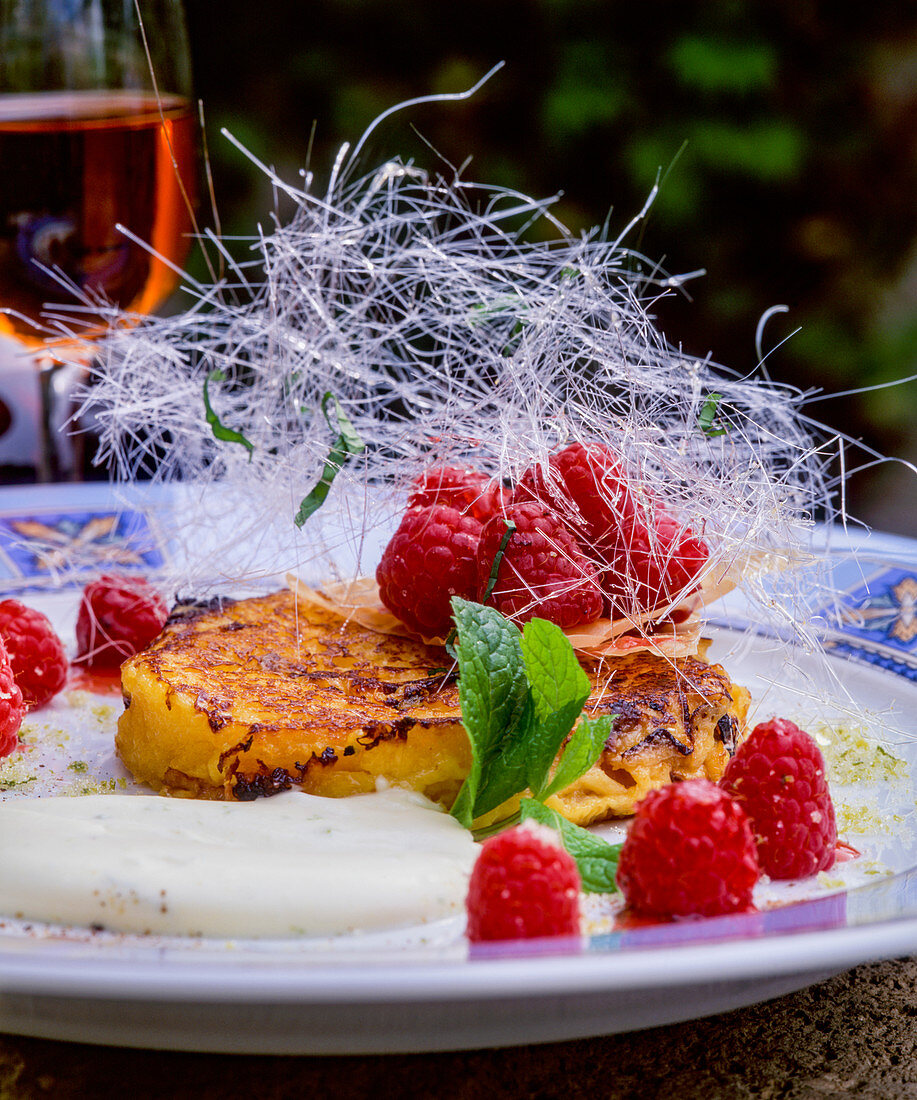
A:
(219, 429)
(580, 753)
(346, 443)
(559, 688)
(497, 708)
(504, 774)
(596, 859)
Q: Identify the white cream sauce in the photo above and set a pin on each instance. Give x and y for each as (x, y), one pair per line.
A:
(290, 865)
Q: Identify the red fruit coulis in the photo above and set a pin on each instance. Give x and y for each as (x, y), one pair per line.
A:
(98, 681)
(843, 853)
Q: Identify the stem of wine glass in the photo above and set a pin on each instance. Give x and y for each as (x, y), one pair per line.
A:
(55, 381)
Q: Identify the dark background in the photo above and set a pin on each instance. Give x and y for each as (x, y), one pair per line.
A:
(786, 133)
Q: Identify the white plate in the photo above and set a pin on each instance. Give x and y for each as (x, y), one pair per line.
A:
(421, 989)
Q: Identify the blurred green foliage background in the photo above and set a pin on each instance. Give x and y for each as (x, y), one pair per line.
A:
(785, 134)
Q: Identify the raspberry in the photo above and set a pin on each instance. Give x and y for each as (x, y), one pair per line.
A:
(651, 560)
(430, 559)
(586, 484)
(118, 616)
(12, 707)
(461, 487)
(35, 651)
(689, 851)
(523, 885)
(778, 777)
(543, 571)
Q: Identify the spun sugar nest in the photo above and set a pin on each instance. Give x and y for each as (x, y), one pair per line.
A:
(451, 322)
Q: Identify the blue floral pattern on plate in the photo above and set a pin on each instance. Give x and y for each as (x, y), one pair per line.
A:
(876, 622)
(44, 543)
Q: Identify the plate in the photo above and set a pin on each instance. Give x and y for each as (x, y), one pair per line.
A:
(423, 989)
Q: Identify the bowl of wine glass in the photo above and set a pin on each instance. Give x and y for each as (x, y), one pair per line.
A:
(98, 160)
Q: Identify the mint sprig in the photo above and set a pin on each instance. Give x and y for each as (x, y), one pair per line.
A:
(522, 693)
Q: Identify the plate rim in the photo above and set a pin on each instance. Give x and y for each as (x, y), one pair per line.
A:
(555, 974)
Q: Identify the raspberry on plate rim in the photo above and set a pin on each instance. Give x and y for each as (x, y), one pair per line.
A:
(689, 852)
(36, 653)
(778, 777)
(118, 617)
(12, 707)
(523, 885)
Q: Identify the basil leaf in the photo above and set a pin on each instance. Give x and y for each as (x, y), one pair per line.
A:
(219, 429)
(596, 859)
(559, 688)
(580, 752)
(497, 708)
(346, 443)
(498, 557)
(708, 414)
(347, 440)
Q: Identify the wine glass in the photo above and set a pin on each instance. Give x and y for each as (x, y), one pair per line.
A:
(97, 130)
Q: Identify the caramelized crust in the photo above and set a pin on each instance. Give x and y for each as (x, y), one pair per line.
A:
(675, 720)
(256, 695)
(245, 698)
